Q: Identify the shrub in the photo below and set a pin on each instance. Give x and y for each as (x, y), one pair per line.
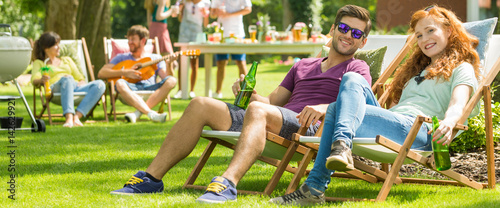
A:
(475, 137)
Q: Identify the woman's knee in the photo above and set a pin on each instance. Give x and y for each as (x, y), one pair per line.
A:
(66, 80)
(100, 85)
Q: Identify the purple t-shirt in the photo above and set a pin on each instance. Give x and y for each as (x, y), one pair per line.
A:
(310, 86)
(128, 56)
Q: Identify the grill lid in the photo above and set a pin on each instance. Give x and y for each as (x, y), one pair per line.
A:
(7, 42)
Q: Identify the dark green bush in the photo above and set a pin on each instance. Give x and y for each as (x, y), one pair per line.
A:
(475, 137)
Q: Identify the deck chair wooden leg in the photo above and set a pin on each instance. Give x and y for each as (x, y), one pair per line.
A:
(44, 106)
(281, 168)
(199, 165)
(385, 167)
(488, 120)
(48, 110)
(169, 108)
(306, 159)
(104, 107)
(386, 187)
(377, 174)
(162, 104)
(112, 98)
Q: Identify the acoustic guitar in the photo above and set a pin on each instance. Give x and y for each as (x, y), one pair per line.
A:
(146, 66)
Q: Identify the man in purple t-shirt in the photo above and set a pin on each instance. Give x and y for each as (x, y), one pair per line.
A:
(300, 100)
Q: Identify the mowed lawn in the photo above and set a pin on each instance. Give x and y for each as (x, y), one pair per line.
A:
(78, 167)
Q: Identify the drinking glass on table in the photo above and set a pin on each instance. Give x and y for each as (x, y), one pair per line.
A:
(252, 30)
(272, 32)
(316, 31)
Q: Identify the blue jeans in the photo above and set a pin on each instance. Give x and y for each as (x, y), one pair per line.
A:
(357, 113)
(67, 85)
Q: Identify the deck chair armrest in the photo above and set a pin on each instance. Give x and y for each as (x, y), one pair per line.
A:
(457, 126)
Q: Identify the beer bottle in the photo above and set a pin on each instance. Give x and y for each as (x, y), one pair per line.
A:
(246, 88)
(441, 152)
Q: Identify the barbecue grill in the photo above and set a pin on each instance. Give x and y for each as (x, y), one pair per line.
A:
(15, 55)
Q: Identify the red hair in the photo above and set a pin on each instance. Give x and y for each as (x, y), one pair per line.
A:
(460, 48)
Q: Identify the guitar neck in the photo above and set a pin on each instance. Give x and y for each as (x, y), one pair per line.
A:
(158, 60)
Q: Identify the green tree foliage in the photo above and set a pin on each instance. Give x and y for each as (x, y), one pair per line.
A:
(24, 16)
(125, 13)
(301, 10)
(330, 11)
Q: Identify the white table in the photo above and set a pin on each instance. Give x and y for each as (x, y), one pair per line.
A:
(311, 49)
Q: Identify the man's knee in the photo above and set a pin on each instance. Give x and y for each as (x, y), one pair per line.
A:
(170, 82)
(257, 109)
(200, 103)
(121, 85)
(353, 77)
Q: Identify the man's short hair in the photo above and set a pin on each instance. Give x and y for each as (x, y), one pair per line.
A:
(357, 12)
(139, 30)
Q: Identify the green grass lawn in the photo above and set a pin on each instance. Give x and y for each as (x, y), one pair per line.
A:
(78, 167)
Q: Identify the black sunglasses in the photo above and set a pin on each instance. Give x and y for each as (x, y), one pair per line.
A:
(355, 33)
(429, 8)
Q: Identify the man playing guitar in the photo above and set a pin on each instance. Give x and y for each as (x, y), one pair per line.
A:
(137, 37)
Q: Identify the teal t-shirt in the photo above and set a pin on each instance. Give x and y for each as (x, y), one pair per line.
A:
(431, 97)
(154, 14)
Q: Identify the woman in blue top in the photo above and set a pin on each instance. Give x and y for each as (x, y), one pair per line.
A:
(436, 80)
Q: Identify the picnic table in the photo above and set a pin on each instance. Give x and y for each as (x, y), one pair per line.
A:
(209, 49)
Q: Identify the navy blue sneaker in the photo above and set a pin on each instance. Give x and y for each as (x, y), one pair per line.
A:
(140, 184)
(218, 191)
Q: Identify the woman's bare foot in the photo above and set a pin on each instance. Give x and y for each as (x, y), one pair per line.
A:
(76, 119)
(68, 124)
(69, 120)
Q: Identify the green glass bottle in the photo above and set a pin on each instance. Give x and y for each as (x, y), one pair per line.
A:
(441, 152)
(246, 88)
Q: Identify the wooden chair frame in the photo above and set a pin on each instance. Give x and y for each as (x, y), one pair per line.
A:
(113, 94)
(282, 164)
(47, 99)
(391, 177)
(304, 152)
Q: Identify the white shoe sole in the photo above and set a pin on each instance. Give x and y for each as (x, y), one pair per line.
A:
(338, 163)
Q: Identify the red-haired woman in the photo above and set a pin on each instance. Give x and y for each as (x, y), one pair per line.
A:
(437, 80)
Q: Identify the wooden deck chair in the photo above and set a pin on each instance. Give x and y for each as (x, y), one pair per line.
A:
(384, 150)
(78, 51)
(278, 151)
(117, 44)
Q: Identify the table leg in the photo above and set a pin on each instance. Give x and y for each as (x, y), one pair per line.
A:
(208, 73)
(184, 76)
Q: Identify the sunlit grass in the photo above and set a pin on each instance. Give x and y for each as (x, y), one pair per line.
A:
(79, 167)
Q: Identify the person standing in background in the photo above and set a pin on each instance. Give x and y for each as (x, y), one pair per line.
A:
(157, 13)
(193, 17)
(230, 15)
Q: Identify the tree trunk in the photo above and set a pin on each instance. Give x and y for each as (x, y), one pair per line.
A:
(61, 17)
(93, 23)
(287, 14)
